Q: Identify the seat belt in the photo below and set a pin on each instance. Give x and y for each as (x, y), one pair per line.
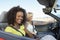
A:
(17, 30)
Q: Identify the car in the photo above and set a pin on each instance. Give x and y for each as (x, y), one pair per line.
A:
(42, 29)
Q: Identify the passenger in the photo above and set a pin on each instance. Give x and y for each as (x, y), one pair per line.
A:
(16, 18)
(30, 26)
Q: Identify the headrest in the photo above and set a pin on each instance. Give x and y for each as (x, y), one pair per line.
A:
(3, 18)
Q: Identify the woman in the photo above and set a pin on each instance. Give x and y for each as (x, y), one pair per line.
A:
(30, 26)
(16, 18)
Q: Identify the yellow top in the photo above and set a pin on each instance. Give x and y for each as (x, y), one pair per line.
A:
(13, 31)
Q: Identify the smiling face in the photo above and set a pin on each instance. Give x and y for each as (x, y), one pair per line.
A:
(19, 17)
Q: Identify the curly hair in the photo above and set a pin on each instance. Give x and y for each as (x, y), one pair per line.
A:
(11, 15)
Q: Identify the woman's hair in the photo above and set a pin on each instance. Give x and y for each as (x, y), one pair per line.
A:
(11, 15)
(30, 13)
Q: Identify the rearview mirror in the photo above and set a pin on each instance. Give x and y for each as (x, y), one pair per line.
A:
(47, 3)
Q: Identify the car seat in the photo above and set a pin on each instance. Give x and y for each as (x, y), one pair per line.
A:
(3, 21)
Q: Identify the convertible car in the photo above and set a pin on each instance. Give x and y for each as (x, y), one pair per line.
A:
(42, 29)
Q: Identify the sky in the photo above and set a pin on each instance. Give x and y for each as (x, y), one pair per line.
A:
(29, 5)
